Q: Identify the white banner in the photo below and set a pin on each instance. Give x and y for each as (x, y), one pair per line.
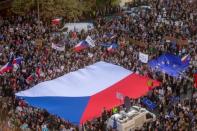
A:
(143, 57)
(58, 48)
(90, 41)
(90, 55)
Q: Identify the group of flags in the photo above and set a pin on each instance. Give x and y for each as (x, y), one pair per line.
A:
(10, 65)
(15, 62)
(89, 42)
(83, 44)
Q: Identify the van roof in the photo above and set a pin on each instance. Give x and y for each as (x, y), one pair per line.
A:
(134, 111)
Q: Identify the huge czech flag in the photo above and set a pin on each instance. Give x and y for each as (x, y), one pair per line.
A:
(82, 95)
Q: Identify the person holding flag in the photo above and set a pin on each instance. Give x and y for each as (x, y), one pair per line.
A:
(17, 62)
(30, 78)
(6, 68)
(186, 59)
(195, 79)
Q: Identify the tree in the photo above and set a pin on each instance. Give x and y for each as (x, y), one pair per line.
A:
(71, 9)
(103, 5)
(65, 8)
(50, 8)
(107, 3)
(21, 7)
(114, 2)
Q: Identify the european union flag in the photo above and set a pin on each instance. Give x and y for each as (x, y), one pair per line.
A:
(151, 105)
(169, 64)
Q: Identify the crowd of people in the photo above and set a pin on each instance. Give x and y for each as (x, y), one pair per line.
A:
(145, 31)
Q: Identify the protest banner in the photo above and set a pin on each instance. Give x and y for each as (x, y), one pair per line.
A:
(90, 41)
(58, 47)
(143, 57)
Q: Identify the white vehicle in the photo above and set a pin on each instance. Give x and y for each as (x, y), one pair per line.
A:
(136, 10)
(145, 7)
(131, 120)
(77, 27)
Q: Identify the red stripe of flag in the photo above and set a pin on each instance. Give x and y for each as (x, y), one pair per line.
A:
(195, 80)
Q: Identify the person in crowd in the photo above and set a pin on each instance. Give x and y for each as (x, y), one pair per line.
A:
(145, 31)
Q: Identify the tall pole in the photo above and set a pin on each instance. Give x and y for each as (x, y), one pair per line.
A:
(38, 6)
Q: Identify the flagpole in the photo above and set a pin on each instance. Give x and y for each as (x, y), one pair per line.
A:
(38, 8)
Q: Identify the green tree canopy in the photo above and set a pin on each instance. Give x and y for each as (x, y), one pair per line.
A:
(21, 7)
(70, 9)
